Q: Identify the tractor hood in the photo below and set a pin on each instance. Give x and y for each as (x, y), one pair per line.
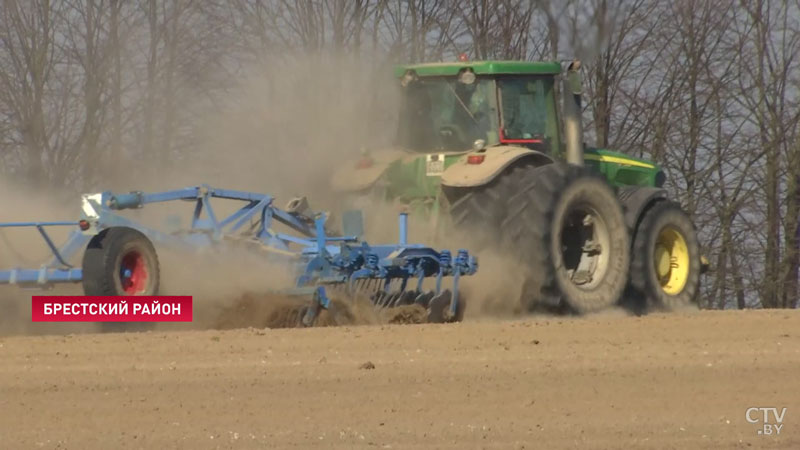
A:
(623, 170)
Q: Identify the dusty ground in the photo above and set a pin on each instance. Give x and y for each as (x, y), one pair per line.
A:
(674, 381)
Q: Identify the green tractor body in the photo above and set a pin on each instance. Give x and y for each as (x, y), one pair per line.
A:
(489, 144)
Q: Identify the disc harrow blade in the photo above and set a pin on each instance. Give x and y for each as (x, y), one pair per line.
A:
(443, 307)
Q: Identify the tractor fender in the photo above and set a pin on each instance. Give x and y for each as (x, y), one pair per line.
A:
(635, 200)
(353, 177)
(496, 159)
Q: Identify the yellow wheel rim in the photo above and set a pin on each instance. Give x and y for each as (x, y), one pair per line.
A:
(671, 261)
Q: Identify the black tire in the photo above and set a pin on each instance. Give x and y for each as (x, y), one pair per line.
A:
(103, 264)
(483, 208)
(111, 252)
(672, 290)
(547, 227)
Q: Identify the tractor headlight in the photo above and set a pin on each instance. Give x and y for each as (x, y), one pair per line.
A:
(466, 76)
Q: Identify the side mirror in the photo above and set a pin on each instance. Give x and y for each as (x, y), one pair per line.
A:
(574, 82)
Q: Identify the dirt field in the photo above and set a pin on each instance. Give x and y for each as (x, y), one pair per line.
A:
(661, 381)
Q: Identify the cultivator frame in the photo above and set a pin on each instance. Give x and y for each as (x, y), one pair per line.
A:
(319, 259)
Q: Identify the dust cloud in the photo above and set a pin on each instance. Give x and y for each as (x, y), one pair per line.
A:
(25, 247)
(281, 130)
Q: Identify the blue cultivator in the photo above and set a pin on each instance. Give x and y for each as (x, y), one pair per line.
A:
(119, 257)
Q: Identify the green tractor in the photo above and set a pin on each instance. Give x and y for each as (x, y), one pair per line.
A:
(489, 145)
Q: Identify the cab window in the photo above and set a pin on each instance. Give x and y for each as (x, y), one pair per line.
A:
(525, 106)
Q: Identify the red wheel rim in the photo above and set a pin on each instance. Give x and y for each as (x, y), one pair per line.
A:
(133, 273)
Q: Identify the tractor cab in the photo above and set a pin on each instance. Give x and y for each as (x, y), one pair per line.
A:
(460, 107)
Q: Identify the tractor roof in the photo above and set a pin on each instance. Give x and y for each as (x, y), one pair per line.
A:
(481, 68)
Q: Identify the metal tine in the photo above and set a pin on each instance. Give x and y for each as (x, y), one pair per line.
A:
(368, 286)
(385, 293)
(424, 298)
(377, 298)
(382, 298)
(393, 301)
(401, 298)
(365, 286)
(407, 298)
(377, 285)
(389, 299)
(385, 300)
(353, 287)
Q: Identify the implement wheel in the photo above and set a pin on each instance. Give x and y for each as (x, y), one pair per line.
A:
(120, 261)
(665, 266)
(566, 225)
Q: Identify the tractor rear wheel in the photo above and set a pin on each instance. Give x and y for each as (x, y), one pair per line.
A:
(483, 208)
(566, 225)
(665, 261)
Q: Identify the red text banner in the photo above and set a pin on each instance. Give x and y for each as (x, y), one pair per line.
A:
(160, 308)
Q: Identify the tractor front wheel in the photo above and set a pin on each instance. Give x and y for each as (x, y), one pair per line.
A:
(665, 261)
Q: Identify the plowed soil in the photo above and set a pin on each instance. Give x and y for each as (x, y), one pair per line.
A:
(609, 381)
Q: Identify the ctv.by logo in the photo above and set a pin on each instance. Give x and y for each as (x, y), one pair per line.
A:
(755, 415)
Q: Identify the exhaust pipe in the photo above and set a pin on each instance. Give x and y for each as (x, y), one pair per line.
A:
(573, 130)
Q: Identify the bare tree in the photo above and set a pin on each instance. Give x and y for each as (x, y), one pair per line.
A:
(28, 59)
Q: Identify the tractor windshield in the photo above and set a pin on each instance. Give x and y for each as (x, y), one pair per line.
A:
(524, 103)
(444, 114)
